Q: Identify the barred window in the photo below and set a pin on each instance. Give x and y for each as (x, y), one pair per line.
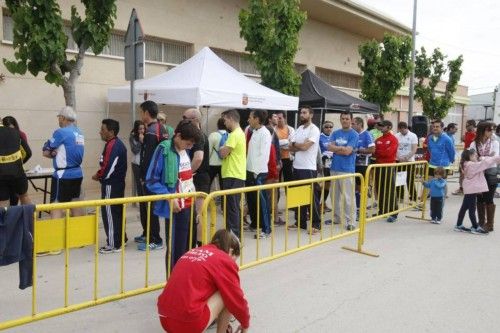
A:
(115, 46)
(8, 28)
(339, 79)
(239, 61)
(154, 50)
(176, 53)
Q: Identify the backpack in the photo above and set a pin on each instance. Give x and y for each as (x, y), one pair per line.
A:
(222, 142)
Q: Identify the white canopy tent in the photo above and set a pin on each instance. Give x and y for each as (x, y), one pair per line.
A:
(205, 80)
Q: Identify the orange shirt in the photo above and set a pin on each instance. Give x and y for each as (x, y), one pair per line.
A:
(283, 133)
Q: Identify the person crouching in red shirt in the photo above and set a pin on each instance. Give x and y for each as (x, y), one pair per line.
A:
(205, 286)
(386, 148)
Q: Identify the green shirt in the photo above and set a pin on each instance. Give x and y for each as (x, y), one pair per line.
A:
(234, 165)
(376, 133)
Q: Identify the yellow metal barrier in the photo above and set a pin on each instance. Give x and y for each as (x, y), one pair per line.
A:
(75, 232)
(395, 187)
(300, 195)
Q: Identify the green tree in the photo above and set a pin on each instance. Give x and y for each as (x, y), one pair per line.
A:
(271, 30)
(40, 42)
(429, 71)
(384, 66)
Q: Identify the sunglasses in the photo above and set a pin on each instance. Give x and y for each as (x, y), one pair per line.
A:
(327, 126)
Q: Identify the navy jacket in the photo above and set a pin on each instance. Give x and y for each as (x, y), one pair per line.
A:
(16, 241)
(113, 162)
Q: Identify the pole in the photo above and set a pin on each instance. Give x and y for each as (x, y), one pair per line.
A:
(132, 101)
(412, 77)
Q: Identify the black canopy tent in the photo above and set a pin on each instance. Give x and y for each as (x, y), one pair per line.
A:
(319, 95)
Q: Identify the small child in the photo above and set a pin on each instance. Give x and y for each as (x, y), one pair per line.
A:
(474, 182)
(437, 187)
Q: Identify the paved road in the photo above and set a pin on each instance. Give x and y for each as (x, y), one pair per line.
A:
(428, 278)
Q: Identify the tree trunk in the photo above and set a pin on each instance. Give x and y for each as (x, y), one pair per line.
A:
(69, 94)
(70, 82)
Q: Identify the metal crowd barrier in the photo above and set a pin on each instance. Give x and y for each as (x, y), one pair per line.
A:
(73, 233)
(297, 196)
(393, 188)
(79, 232)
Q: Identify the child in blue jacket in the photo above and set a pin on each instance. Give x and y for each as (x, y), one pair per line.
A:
(437, 187)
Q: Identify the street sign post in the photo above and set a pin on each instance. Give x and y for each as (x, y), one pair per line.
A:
(134, 56)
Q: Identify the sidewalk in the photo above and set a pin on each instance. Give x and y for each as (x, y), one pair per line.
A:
(427, 278)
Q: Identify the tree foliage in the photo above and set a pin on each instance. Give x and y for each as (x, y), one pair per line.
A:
(40, 42)
(384, 66)
(271, 30)
(429, 71)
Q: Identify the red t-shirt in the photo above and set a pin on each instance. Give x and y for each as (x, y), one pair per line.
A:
(198, 275)
(386, 148)
(468, 138)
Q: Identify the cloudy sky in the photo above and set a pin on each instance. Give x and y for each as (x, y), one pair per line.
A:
(470, 28)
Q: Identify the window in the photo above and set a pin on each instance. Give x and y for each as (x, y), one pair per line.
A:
(154, 51)
(8, 28)
(167, 52)
(176, 53)
(115, 46)
(239, 61)
(339, 79)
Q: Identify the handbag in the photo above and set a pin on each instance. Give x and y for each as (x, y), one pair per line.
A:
(491, 179)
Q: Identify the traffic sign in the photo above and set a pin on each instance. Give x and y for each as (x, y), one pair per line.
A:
(134, 49)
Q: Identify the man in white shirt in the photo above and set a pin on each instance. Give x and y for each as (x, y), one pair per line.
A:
(259, 147)
(305, 144)
(407, 147)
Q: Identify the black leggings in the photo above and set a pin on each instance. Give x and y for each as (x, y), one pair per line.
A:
(469, 204)
(487, 197)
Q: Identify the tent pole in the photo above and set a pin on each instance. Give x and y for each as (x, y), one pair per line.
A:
(206, 125)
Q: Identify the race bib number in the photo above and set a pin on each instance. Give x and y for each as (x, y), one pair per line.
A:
(187, 186)
(401, 178)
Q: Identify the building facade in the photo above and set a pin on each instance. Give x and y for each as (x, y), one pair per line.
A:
(175, 30)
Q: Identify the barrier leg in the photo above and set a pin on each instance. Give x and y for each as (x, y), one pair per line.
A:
(362, 224)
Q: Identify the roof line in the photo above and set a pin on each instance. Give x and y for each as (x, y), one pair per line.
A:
(374, 13)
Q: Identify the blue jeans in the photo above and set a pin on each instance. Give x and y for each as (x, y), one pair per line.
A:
(265, 222)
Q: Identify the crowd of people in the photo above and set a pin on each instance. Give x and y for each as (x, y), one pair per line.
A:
(183, 160)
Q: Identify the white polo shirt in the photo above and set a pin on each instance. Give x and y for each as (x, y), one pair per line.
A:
(404, 144)
(259, 148)
(306, 160)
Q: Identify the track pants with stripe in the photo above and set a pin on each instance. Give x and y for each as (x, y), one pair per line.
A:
(112, 215)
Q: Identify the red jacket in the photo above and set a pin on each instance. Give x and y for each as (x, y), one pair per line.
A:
(198, 275)
(468, 138)
(272, 165)
(386, 148)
